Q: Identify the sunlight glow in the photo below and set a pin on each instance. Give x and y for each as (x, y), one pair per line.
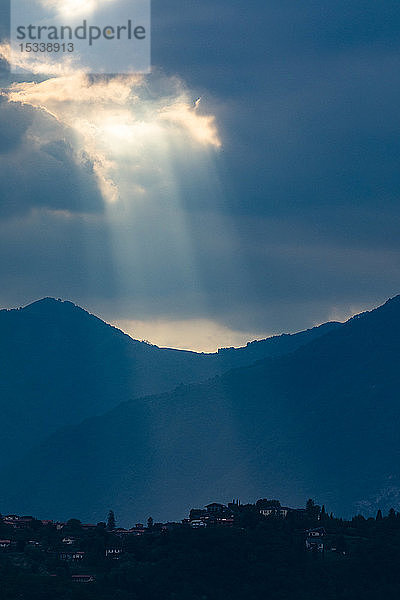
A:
(74, 8)
(209, 334)
(115, 117)
(151, 147)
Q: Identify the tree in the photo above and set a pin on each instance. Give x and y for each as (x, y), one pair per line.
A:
(111, 521)
(310, 506)
(379, 515)
(150, 523)
(74, 526)
(312, 510)
(264, 503)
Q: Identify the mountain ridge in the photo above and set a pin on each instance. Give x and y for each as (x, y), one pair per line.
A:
(60, 364)
(319, 422)
(51, 302)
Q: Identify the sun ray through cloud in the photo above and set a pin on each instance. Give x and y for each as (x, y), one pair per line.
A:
(144, 136)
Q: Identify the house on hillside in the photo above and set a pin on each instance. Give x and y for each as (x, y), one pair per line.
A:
(317, 532)
(278, 511)
(272, 508)
(82, 578)
(214, 514)
(69, 540)
(120, 532)
(114, 552)
(34, 544)
(315, 539)
(216, 509)
(18, 522)
(197, 523)
(196, 514)
(139, 529)
(5, 545)
(72, 556)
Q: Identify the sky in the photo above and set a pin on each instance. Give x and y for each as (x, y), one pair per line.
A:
(248, 186)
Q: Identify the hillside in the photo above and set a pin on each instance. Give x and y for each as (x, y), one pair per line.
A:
(321, 422)
(59, 365)
(300, 557)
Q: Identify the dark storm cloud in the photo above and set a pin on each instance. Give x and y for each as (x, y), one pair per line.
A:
(37, 171)
(46, 253)
(4, 19)
(14, 123)
(300, 220)
(306, 95)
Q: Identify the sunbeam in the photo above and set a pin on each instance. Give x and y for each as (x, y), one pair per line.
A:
(152, 149)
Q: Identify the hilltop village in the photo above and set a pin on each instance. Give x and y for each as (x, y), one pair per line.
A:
(262, 546)
(73, 542)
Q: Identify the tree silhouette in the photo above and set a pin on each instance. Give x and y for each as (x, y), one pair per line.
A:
(312, 510)
(111, 521)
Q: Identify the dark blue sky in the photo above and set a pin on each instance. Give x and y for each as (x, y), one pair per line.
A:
(294, 220)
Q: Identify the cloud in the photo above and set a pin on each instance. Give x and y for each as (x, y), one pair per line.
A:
(201, 128)
(270, 205)
(68, 8)
(12, 128)
(112, 116)
(39, 167)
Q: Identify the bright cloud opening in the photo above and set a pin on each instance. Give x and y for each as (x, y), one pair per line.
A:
(74, 8)
(151, 147)
(114, 117)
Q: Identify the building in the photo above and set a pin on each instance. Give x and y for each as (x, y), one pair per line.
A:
(272, 508)
(71, 555)
(317, 532)
(82, 578)
(315, 539)
(196, 514)
(114, 552)
(18, 522)
(275, 511)
(5, 544)
(138, 529)
(34, 544)
(213, 515)
(215, 509)
(197, 523)
(69, 541)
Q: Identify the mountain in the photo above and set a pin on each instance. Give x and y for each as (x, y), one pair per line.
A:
(319, 422)
(59, 365)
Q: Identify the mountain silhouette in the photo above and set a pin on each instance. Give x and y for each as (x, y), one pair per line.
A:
(59, 365)
(321, 421)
